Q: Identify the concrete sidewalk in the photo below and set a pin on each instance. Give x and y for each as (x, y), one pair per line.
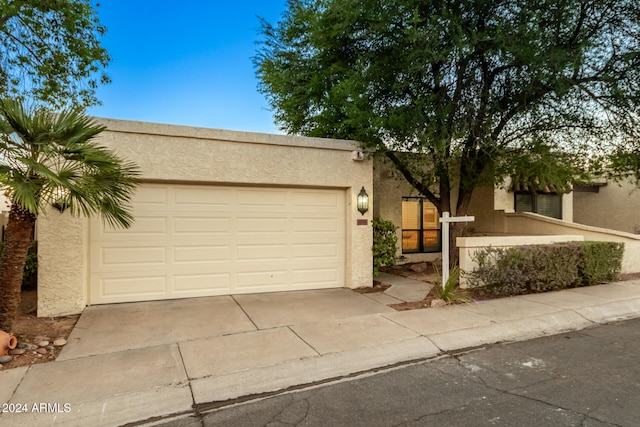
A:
(140, 362)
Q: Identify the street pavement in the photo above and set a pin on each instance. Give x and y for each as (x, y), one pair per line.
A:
(586, 378)
(142, 363)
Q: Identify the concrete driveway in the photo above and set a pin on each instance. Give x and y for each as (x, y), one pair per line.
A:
(127, 363)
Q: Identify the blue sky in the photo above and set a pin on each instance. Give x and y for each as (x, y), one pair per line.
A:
(186, 62)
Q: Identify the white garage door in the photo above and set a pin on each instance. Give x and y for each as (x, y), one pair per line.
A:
(191, 241)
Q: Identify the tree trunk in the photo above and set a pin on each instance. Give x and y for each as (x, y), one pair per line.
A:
(457, 229)
(17, 238)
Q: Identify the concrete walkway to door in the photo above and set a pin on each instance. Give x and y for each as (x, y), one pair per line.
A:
(152, 362)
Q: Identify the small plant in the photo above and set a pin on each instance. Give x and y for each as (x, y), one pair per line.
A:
(452, 292)
(384, 244)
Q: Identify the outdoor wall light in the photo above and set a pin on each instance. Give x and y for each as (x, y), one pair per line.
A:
(363, 201)
(61, 206)
(59, 202)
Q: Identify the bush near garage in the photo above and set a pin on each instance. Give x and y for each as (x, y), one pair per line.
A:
(384, 244)
(540, 268)
(30, 277)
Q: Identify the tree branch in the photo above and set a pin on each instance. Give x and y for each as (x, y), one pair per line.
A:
(417, 184)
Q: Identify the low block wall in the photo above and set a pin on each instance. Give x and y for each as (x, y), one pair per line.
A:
(528, 223)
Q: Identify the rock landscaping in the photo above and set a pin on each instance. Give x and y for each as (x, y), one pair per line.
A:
(40, 339)
(27, 353)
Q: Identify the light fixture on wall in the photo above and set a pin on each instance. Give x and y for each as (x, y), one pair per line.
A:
(363, 201)
(59, 202)
(358, 156)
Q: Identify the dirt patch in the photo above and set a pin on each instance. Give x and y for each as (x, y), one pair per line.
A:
(423, 271)
(413, 305)
(32, 329)
(629, 276)
(377, 287)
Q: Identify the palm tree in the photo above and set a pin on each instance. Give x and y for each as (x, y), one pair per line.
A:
(46, 159)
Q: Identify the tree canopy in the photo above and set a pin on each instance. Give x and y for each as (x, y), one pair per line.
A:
(473, 89)
(50, 51)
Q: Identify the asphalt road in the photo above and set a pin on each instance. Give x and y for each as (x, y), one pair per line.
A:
(585, 378)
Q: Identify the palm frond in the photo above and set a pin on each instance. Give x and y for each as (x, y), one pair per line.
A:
(48, 157)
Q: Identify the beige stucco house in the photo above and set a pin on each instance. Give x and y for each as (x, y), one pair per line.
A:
(504, 216)
(223, 212)
(418, 222)
(218, 212)
(608, 204)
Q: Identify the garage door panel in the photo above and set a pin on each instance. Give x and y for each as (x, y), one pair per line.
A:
(195, 225)
(208, 240)
(201, 254)
(197, 198)
(134, 287)
(143, 225)
(262, 225)
(262, 280)
(315, 225)
(149, 198)
(316, 251)
(320, 276)
(312, 201)
(199, 282)
(251, 199)
(253, 252)
(145, 255)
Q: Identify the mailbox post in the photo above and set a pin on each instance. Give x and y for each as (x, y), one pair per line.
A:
(446, 220)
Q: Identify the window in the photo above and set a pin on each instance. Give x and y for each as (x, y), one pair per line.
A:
(547, 204)
(420, 226)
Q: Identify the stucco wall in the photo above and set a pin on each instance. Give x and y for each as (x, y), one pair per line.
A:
(62, 264)
(528, 224)
(615, 206)
(504, 202)
(208, 156)
(389, 187)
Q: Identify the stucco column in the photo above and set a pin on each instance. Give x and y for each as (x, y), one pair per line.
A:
(361, 240)
(62, 272)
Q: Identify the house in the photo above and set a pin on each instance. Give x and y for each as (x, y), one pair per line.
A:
(417, 219)
(608, 204)
(218, 212)
(223, 212)
(509, 215)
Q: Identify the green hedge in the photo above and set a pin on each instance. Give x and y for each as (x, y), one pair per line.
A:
(30, 277)
(384, 244)
(539, 268)
(600, 261)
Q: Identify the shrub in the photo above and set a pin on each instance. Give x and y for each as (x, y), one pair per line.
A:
(499, 271)
(599, 261)
(384, 244)
(30, 276)
(525, 269)
(539, 268)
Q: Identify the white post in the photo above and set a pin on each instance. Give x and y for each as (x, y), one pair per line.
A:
(445, 247)
(445, 220)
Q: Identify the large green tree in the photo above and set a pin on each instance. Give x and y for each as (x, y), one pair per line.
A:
(472, 90)
(50, 51)
(50, 159)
